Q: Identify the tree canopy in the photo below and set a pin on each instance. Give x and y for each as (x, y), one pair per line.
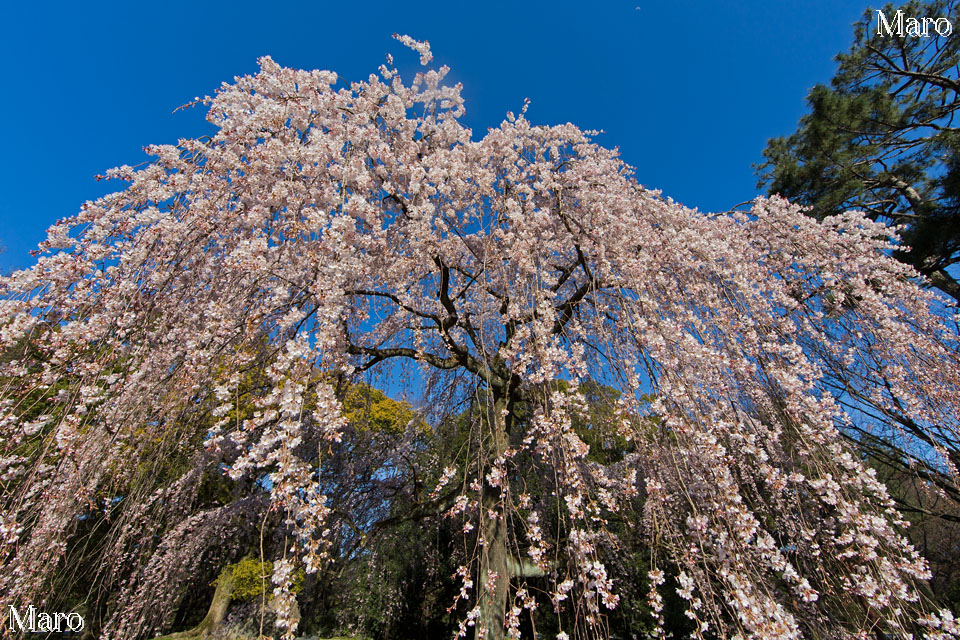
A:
(633, 368)
(881, 138)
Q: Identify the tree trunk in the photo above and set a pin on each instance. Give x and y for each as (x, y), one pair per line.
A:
(946, 283)
(215, 614)
(495, 555)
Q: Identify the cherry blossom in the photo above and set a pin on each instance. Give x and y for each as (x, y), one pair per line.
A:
(329, 229)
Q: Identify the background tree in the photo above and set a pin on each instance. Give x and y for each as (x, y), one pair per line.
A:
(327, 234)
(934, 516)
(882, 138)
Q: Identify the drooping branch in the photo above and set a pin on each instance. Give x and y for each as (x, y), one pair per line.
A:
(379, 354)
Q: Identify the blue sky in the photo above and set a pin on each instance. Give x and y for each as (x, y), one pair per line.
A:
(689, 91)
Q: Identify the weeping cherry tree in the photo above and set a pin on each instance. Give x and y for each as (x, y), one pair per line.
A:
(337, 229)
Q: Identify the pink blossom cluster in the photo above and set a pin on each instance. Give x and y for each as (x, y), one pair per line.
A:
(325, 232)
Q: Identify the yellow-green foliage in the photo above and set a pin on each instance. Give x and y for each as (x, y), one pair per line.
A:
(370, 409)
(250, 575)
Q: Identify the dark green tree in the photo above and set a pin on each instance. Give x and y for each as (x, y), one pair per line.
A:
(882, 138)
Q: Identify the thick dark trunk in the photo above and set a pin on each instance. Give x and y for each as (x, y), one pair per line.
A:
(495, 559)
(946, 283)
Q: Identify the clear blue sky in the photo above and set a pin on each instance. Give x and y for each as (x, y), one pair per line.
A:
(689, 91)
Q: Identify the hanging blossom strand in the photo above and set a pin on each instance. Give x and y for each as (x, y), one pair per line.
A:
(322, 231)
